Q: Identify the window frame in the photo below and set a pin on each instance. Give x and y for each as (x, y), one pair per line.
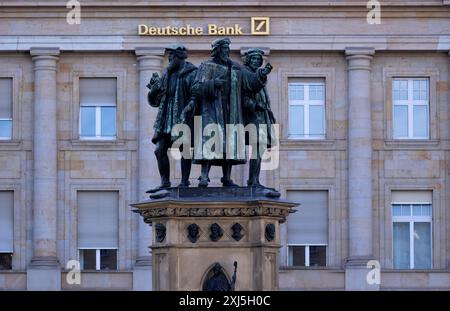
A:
(98, 125)
(307, 103)
(124, 251)
(395, 70)
(307, 255)
(321, 70)
(16, 118)
(5, 138)
(411, 220)
(121, 114)
(97, 258)
(410, 103)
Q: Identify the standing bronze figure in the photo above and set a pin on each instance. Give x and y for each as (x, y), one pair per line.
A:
(171, 93)
(257, 111)
(219, 86)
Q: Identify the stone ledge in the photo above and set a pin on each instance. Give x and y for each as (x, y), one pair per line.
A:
(412, 144)
(214, 202)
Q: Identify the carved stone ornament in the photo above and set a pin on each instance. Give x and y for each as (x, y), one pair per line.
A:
(160, 232)
(161, 212)
(237, 232)
(216, 232)
(270, 232)
(193, 232)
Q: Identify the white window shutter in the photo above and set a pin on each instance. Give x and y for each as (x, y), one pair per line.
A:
(5, 98)
(6, 221)
(412, 196)
(309, 225)
(98, 91)
(98, 225)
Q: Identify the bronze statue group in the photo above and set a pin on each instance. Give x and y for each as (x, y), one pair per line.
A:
(223, 95)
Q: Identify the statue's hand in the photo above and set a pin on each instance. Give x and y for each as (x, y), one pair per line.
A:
(267, 69)
(155, 81)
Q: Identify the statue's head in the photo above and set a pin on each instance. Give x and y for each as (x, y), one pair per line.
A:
(221, 49)
(217, 268)
(193, 232)
(177, 54)
(254, 58)
(160, 232)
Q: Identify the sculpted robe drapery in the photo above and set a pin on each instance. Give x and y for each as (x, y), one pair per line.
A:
(171, 107)
(223, 106)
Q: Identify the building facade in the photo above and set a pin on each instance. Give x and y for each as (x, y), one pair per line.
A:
(364, 137)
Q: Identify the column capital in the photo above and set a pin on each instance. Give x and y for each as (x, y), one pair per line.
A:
(150, 51)
(44, 58)
(44, 51)
(150, 58)
(359, 51)
(359, 58)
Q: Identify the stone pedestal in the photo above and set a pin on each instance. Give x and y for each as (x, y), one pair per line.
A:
(182, 259)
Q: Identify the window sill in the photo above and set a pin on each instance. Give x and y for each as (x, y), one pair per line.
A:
(287, 268)
(411, 144)
(10, 144)
(431, 270)
(294, 144)
(101, 271)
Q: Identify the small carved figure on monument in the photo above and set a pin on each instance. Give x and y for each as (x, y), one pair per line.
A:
(237, 234)
(193, 232)
(160, 232)
(171, 94)
(217, 281)
(216, 232)
(270, 232)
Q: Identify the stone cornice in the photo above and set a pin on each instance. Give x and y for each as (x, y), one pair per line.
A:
(186, 3)
(174, 208)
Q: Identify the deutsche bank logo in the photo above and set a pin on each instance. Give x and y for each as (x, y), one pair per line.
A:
(260, 26)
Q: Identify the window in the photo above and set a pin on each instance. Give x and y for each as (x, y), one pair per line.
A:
(98, 108)
(5, 108)
(411, 217)
(307, 229)
(306, 108)
(307, 255)
(411, 108)
(6, 229)
(98, 229)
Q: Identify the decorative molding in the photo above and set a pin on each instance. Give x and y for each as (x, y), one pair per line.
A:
(354, 51)
(154, 210)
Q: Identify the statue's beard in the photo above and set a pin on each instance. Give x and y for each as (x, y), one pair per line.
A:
(173, 65)
(223, 58)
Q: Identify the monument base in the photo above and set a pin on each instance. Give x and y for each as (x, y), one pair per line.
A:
(194, 229)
